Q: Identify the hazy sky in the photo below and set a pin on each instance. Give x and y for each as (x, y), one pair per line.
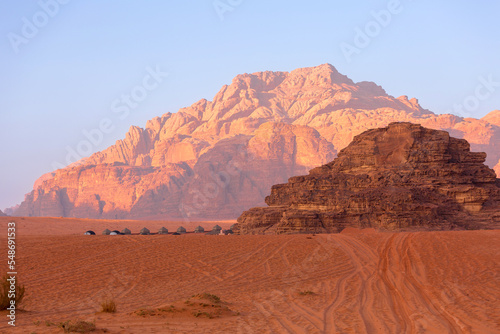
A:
(66, 65)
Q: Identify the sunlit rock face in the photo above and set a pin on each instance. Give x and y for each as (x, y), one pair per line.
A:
(217, 158)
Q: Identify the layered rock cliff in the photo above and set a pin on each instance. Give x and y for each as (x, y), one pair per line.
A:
(217, 158)
(403, 176)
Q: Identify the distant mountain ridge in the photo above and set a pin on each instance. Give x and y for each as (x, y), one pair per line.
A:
(218, 158)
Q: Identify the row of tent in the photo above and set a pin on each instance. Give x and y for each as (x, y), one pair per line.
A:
(181, 230)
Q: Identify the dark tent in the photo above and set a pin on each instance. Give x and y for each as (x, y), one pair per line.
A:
(163, 230)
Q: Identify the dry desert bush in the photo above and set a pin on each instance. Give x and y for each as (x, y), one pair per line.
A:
(108, 306)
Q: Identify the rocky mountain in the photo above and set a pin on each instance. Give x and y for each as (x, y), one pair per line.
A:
(403, 176)
(217, 158)
(10, 211)
(494, 118)
(2, 214)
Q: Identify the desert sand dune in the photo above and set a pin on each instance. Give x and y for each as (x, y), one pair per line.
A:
(353, 282)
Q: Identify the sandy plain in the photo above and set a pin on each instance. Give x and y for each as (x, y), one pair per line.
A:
(353, 282)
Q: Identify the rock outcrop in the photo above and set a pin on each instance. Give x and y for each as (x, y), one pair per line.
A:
(217, 158)
(10, 211)
(403, 176)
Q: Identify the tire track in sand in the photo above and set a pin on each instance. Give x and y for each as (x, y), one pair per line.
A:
(452, 323)
(364, 261)
(408, 295)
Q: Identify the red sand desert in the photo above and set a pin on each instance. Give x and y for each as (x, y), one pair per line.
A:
(353, 282)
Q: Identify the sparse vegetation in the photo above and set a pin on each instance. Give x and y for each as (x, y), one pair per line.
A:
(306, 293)
(206, 314)
(78, 326)
(168, 309)
(200, 305)
(108, 306)
(209, 297)
(157, 312)
(5, 288)
(144, 312)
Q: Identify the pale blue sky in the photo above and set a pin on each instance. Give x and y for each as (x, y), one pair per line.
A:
(65, 77)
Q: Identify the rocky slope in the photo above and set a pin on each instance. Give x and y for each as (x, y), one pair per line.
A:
(494, 118)
(403, 176)
(2, 214)
(217, 158)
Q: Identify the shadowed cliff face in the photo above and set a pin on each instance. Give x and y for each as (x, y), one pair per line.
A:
(217, 158)
(403, 176)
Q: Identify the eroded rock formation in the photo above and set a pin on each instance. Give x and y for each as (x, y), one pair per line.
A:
(403, 176)
(217, 158)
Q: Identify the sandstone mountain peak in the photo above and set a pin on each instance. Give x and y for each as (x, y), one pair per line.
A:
(323, 75)
(403, 176)
(493, 117)
(215, 159)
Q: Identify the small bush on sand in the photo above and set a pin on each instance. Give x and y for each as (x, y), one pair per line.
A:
(108, 306)
(144, 312)
(199, 314)
(5, 290)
